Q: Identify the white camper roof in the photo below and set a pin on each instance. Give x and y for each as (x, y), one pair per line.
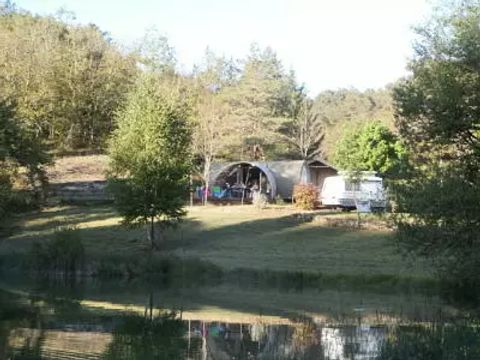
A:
(366, 175)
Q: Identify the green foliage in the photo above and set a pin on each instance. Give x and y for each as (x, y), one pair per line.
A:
(438, 106)
(305, 196)
(340, 110)
(150, 153)
(64, 253)
(22, 155)
(5, 191)
(67, 80)
(442, 221)
(371, 148)
(212, 132)
(437, 110)
(141, 338)
(261, 101)
(155, 53)
(432, 342)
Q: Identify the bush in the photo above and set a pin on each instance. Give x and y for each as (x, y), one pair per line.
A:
(305, 196)
(14, 199)
(64, 254)
(260, 201)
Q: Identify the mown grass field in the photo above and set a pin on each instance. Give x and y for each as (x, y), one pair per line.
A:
(229, 236)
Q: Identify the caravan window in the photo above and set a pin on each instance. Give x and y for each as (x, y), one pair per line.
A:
(349, 186)
(372, 185)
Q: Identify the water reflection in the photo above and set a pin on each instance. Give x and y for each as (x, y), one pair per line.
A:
(50, 324)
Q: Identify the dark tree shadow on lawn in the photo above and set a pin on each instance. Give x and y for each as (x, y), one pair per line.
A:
(69, 216)
(190, 233)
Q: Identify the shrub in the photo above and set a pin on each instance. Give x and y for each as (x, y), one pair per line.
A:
(5, 191)
(305, 196)
(64, 254)
(14, 198)
(260, 201)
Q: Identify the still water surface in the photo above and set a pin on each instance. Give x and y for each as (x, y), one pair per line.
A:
(171, 320)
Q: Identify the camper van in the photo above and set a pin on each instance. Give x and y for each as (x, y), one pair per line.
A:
(339, 192)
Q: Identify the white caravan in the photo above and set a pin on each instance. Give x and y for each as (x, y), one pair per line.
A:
(338, 191)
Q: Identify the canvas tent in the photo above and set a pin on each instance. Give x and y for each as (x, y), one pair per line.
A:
(273, 177)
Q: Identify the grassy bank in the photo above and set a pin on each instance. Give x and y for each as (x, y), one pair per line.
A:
(230, 237)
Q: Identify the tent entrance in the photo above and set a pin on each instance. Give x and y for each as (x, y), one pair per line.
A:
(241, 180)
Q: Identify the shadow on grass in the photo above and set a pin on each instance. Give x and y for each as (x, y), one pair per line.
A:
(64, 216)
(191, 233)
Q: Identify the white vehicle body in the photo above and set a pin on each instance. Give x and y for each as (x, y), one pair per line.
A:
(338, 191)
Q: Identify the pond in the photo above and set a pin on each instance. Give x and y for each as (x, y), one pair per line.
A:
(173, 319)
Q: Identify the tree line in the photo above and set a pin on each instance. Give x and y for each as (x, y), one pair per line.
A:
(68, 80)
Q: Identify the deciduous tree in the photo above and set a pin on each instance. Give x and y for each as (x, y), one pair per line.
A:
(212, 133)
(343, 109)
(371, 147)
(438, 114)
(151, 154)
(67, 80)
(20, 150)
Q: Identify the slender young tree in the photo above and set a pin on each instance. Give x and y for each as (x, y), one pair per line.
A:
(151, 155)
(212, 130)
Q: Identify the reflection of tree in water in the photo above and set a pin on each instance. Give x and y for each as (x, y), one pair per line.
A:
(26, 316)
(48, 328)
(32, 345)
(305, 339)
(145, 338)
(433, 342)
(344, 342)
(262, 341)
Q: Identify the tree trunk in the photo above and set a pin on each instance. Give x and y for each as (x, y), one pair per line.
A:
(245, 185)
(206, 176)
(191, 190)
(205, 195)
(151, 232)
(355, 199)
(151, 306)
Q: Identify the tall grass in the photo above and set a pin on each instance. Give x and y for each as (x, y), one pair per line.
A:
(64, 254)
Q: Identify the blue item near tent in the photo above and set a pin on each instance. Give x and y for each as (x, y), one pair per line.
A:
(216, 191)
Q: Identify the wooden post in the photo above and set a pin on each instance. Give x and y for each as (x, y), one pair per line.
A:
(191, 191)
(260, 183)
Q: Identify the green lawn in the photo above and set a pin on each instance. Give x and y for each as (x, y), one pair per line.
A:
(229, 236)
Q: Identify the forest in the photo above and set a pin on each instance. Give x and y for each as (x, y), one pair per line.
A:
(67, 81)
